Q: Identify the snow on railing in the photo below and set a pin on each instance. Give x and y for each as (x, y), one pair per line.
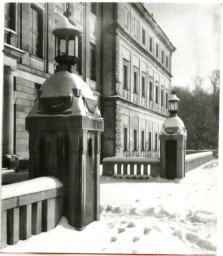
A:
(29, 208)
(192, 161)
(134, 167)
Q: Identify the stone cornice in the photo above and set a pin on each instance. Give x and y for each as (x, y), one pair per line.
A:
(159, 32)
(116, 97)
(143, 50)
(12, 51)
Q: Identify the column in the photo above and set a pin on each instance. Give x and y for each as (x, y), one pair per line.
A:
(8, 111)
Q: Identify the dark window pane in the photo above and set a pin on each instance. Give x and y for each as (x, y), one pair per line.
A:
(93, 62)
(143, 140)
(150, 90)
(135, 82)
(143, 37)
(151, 44)
(150, 141)
(125, 139)
(143, 87)
(125, 76)
(135, 140)
(157, 91)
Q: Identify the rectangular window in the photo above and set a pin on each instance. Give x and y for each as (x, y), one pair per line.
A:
(94, 8)
(125, 75)
(150, 90)
(167, 60)
(162, 57)
(135, 81)
(125, 139)
(135, 140)
(36, 30)
(92, 62)
(136, 28)
(150, 141)
(143, 37)
(143, 140)
(143, 86)
(166, 99)
(156, 141)
(162, 95)
(157, 94)
(10, 15)
(157, 50)
(150, 44)
(126, 18)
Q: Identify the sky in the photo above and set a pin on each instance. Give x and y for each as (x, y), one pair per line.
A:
(195, 31)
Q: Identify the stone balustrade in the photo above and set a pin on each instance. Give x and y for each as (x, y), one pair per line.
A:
(195, 160)
(134, 167)
(29, 208)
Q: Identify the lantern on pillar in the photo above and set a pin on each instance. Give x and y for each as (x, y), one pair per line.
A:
(173, 103)
(67, 37)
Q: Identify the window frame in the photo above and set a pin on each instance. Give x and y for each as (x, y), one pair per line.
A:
(136, 30)
(136, 85)
(150, 89)
(125, 84)
(126, 17)
(162, 95)
(143, 78)
(157, 94)
(40, 49)
(151, 44)
(143, 36)
(150, 141)
(11, 16)
(157, 50)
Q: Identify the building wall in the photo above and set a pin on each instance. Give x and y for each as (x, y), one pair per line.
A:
(30, 71)
(123, 107)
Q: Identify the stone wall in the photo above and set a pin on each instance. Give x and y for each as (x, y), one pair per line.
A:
(25, 95)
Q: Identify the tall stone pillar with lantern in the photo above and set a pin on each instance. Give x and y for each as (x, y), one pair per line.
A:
(173, 138)
(65, 129)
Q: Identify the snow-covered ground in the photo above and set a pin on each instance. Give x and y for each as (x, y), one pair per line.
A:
(144, 217)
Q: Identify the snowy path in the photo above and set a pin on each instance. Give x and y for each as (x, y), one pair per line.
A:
(142, 216)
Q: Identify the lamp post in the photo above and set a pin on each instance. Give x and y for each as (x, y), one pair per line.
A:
(65, 133)
(173, 137)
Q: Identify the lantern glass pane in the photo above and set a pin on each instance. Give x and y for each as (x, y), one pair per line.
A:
(71, 48)
(76, 46)
(62, 47)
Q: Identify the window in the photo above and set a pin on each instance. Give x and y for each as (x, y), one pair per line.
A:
(143, 37)
(126, 18)
(36, 31)
(143, 86)
(125, 139)
(162, 57)
(150, 44)
(125, 74)
(143, 140)
(162, 95)
(166, 99)
(157, 94)
(135, 81)
(92, 62)
(135, 140)
(150, 141)
(156, 141)
(157, 50)
(167, 60)
(150, 90)
(10, 15)
(94, 8)
(136, 28)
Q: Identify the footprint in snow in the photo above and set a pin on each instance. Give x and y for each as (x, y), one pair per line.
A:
(147, 231)
(109, 208)
(117, 210)
(137, 200)
(113, 239)
(131, 225)
(120, 230)
(135, 239)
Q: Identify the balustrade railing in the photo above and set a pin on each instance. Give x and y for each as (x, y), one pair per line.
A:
(29, 208)
(193, 161)
(131, 167)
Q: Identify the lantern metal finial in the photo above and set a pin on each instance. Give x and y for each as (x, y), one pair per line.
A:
(67, 13)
